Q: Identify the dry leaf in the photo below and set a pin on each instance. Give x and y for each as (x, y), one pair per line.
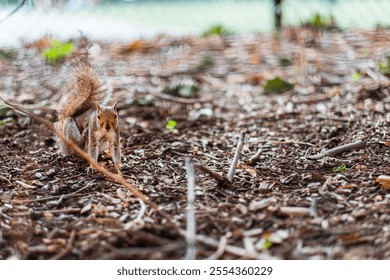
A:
(384, 181)
(251, 171)
(255, 79)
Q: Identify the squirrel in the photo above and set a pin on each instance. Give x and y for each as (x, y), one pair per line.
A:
(83, 113)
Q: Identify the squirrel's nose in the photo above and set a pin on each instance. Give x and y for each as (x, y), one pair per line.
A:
(108, 127)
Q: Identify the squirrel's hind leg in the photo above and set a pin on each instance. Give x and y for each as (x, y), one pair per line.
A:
(72, 132)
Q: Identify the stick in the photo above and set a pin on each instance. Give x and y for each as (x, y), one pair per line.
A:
(68, 247)
(338, 150)
(212, 173)
(237, 251)
(256, 156)
(191, 219)
(55, 196)
(237, 156)
(167, 97)
(116, 177)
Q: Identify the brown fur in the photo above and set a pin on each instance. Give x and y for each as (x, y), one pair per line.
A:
(83, 115)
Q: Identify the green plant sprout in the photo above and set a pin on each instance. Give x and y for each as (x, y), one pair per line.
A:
(171, 125)
(57, 51)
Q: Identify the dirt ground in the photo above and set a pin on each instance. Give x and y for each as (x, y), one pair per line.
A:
(283, 205)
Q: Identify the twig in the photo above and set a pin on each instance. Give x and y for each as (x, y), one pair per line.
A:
(228, 180)
(68, 247)
(5, 179)
(220, 249)
(237, 156)
(5, 216)
(167, 97)
(54, 211)
(256, 156)
(117, 177)
(212, 173)
(53, 197)
(191, 219)
(295, 211)
(339, 150)
(137, 223)
(237, 251)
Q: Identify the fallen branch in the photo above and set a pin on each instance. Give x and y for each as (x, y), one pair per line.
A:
(117, 177)
(338, 150)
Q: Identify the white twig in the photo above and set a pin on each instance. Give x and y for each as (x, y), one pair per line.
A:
(237, 251)
(137, 223)
(220, 250)
(191, 220)
(237, 156)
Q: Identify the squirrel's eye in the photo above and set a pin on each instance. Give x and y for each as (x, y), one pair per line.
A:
(115, 116)
(99, 117)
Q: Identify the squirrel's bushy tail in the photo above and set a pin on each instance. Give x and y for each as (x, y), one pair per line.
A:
(85, 85)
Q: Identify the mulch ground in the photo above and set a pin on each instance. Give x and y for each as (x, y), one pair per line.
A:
(282, 205)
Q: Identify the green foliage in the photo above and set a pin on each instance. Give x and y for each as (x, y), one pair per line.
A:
(356, 76)
(183, 89)
(218, 30)
(285, 62)
(171, 125)
(6, 120)
(206, 62)
(320, 22)
(146, 100)
(3, 110)
(340, 169)
(268, 244)
(8, 54)
(384, 67)
(57, 51)
(277, 85)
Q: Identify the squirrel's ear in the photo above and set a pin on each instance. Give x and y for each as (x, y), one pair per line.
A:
(97, 106)
(115, 106)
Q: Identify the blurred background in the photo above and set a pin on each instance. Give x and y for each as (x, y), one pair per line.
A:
(124, 20)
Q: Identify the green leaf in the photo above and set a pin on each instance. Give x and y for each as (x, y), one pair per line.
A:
(183, 89)
(356, 76)
(285, 62)
(268, 244)
(6, 120)
(384, 67)
(277, 85)
(320, 22)
(340, 169)
(206, 62)
(218, 30)
(3, 110)
(146, 100)
(171, 125)
(57, 51)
